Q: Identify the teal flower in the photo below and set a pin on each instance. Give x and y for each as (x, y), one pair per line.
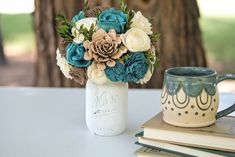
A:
(116, 73)
(136, 66)
(133, 69)
(75, 55)
(79, 16)
(112, 19)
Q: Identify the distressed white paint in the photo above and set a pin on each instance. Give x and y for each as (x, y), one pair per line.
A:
(106, 108)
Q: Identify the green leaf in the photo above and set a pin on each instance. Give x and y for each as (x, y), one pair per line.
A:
(60, 31)
(152, 59)
(150, 19)
(63, 23)
(98, 13)
(125, 57)
(85, 32)
(130, 13)
(64, 27)
(155, 37)
(86, 6)
(60, 18)
(73, 24)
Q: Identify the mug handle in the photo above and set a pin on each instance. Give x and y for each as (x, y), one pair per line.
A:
(231, 108)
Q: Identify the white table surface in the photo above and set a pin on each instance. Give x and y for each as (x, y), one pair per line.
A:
(43, 122)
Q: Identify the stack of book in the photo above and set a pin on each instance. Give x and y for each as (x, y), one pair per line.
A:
(161, 139)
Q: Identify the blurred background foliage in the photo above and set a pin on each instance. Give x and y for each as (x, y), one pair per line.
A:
(217, 25)
(17, 31)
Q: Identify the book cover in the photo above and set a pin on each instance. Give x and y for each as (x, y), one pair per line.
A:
(220, 136)
(153, 152)
(183, 150)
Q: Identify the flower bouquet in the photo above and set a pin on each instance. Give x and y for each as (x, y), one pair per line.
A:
(109, 47)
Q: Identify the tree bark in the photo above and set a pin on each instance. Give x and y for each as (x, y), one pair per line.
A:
(177, 21)
(47, 72)
(2, 56)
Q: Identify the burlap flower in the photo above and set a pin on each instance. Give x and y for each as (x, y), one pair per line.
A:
(104, 48)
(93, 12)
(62, 47)
(79, 75)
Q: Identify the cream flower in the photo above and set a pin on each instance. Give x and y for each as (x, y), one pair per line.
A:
(146, 78)
(136, 40)
(86, 22)
(96, 75)
(141, 22)
(63, 64)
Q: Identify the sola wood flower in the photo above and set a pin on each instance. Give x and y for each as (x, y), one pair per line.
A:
(94, 11)
(104, 48)
(79, 75)
(96, 75)
(62, 63)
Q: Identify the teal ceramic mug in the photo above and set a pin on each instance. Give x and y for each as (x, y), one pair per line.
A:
(190, 96)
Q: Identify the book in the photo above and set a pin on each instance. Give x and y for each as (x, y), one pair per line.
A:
(153, 152)
(220, 136)
(182, 150)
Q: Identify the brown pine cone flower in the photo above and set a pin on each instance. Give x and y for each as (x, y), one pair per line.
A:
(104, 48)
(93, 12)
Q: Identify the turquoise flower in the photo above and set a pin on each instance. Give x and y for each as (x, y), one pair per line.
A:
(79, 16)
(133, 69)
(136, 66)
(112, 19)
(116, 73)
(75, 55)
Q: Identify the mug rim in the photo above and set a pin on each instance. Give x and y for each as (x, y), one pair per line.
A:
(213, 72)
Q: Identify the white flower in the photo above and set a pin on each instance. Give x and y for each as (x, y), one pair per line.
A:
(149, 73)
(136, 40)
(146, 78)
(63, 64)
(86, 22)
(141, 22)
(96, 75)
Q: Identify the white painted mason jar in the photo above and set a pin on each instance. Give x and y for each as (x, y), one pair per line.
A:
(106, 108)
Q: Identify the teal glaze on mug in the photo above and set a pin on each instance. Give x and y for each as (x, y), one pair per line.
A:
(190, 96)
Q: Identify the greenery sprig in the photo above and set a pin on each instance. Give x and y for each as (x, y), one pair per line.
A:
(85, 32)
(154, 37)
(150, 19)
(130, 13)
(152, 60)
(64, 28)
(98, 14)
(86, 6)
(125, 57)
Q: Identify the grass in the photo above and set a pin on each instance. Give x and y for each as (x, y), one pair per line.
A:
(18, 30)
(219, 37)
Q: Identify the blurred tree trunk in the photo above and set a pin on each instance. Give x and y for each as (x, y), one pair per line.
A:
(47, 72)
(177, 21)
(2, 56)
